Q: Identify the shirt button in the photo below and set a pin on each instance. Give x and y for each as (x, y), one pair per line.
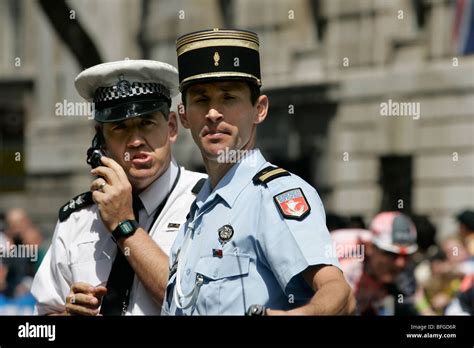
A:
(216, 272)
(188, 271)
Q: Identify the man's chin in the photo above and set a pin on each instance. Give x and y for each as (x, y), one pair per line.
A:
(141, 177)
(213, 152)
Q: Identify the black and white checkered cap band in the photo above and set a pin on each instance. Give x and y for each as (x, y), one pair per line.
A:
(125, 89)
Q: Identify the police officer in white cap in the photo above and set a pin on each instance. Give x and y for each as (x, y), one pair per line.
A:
(94, 265)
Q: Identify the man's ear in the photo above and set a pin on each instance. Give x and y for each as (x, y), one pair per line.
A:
(262, 109)
(172, 126)
(182, 116)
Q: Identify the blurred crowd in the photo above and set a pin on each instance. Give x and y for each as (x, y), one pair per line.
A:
(397, 266)
(21, 252)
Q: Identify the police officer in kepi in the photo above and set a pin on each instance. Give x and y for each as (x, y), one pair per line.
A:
(255, 240)
(99, 259)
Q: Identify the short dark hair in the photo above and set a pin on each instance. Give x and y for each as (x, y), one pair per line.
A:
(254, 92)
(466, 218)
(254, 89)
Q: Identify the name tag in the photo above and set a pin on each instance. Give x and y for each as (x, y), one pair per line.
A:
(173, 225)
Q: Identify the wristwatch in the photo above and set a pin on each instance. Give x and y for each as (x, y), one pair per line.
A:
(125, 228)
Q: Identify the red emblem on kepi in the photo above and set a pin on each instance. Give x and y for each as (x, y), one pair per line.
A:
(292, 204)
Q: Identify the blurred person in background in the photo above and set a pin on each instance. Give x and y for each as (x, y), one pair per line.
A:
(373, 259)
(3, 237)
(18, 225)
(466, 230)
(3, 277)
(3, 245)
(463, 303)
(357, 221)
(16, 268)
(336, 222)
(21, 232)
(435, 281)
(438, 280)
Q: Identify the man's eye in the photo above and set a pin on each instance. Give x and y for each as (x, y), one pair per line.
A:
(229, 97)
(147, 122)
(118, 127)
(200, 100)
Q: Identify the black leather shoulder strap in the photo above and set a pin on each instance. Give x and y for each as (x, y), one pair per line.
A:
(75, 204)
(195, 190)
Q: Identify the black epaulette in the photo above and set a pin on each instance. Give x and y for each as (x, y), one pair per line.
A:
(75, 204)
(195, 190)
(268, 174)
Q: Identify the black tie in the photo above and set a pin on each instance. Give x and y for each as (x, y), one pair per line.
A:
(120, 280)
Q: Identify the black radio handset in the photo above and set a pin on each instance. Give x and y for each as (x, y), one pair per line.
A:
(95, 152)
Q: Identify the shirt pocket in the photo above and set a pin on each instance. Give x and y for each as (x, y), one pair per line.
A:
(92, 247)
(223, 283)
(92, 272)
(227, 266)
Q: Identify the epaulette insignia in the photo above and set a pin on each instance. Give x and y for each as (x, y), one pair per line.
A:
(268, 174)
(195, 190)
(75, 204)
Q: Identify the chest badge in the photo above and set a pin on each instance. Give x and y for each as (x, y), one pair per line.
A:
(225, 233)
(292, 204)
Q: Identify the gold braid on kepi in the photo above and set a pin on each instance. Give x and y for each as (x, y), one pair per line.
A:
(218, 54)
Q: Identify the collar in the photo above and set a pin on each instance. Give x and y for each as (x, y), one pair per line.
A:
(154, 194)
(234, 181)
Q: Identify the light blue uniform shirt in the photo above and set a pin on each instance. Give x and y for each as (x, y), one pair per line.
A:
(263, 261)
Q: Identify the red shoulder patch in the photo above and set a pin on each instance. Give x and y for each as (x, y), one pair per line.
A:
(292, 204)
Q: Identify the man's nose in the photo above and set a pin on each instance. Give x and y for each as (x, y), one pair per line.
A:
(135, 139)
(214, 115)
(401, 261)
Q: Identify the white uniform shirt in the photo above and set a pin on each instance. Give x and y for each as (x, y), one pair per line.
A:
(82, 249)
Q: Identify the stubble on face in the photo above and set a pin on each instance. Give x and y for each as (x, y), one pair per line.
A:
(221, 117)
(141, 146)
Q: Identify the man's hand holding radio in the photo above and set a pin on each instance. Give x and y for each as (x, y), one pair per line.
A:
(112, 193)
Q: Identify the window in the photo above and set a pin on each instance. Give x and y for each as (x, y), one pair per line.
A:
(396, 183)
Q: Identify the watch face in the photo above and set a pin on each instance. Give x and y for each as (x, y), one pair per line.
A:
(127, 227)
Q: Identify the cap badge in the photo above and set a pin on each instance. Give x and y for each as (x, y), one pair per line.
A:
(123, 87)
(216, 59)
